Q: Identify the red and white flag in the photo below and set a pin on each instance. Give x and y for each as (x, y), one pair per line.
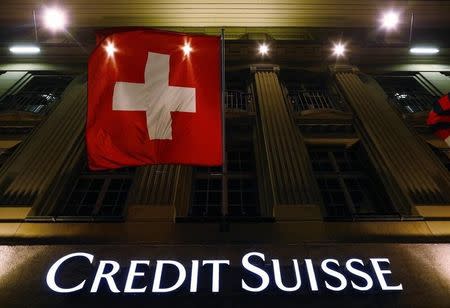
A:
(154, 98)
(439, 118)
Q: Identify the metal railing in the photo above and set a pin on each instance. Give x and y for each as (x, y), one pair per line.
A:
(37, 96)
(314, 100)
(238, 101)
(411, 102)
(406, 93)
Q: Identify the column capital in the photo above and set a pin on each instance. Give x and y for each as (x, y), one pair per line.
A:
(264, 68)
(342, 68)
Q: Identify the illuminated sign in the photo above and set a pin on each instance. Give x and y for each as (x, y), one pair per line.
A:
(258, 274)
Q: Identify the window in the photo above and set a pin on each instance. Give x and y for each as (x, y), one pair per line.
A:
(241, 186)
(310, 98)
(38, 95)
(348, 189)
(99, 194)
(406, 93)
(238, 101)
(312, 93)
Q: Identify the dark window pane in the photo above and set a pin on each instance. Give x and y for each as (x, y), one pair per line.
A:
(90, 198)
(200, 197)
(115, 184)
(110, 198)
(347, 189)
(215, 198)
(96, 184)
(241, 185)
(83, 184)
(38, 95)
(406, 93)
(215, 184)
(214, 211)
(234, 198)
(234, 184)
(102, 193)
(201, 184)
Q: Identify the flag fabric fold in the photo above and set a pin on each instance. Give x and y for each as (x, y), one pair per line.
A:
(439, 118)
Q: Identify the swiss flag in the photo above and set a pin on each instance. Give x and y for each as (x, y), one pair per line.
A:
(439, 118)
(154, 98)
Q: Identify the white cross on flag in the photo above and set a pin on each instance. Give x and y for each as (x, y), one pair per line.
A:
(154, 98)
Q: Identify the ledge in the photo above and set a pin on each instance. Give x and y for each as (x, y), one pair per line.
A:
(286, 232)
(434, 211)
(150, 213)
(14, 213)
(297, 212)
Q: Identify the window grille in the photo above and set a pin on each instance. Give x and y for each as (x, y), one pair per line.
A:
(238, 101)
(312, 94)
(241, 185)
(37, 96)
(406, 93)
(347, 188)
(314, 99)
(99, 193)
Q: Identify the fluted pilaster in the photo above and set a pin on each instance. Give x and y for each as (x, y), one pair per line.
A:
(288, 165)
(44, 155)
(409, 170)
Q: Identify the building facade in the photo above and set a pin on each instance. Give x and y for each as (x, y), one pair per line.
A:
(328, 159)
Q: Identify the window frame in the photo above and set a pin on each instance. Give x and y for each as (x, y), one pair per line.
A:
(107, 176)
(383, 208)
(215, 173)
(419, 93)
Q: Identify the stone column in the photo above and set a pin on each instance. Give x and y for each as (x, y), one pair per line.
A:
(47, 155)
(160, 193)
(409, 170)
(295, 194)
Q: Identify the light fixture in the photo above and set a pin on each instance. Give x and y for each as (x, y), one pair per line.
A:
(24, 49)
(263, 49)
(110, 49)
(389, 20)
(54, 19)
(424, 50)
(186, 49)
(339, 49)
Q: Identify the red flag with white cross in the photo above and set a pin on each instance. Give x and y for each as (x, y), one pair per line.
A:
(439, 118)
(154, 97)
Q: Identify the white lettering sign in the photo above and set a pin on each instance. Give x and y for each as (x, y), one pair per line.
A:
(258, 275)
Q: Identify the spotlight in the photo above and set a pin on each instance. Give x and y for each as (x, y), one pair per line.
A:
(55, 19)
(110, 49)
(424, 50)
(186, 49)
(339, 49)
(25, 49)
(263, 49)
(390, 20)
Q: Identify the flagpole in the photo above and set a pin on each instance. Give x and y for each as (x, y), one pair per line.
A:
(224, 153)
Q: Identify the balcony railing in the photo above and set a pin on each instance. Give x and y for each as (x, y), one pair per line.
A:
(37, 96)
(411, 102)
(314, 100)
(405, 93)
(238, 101)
